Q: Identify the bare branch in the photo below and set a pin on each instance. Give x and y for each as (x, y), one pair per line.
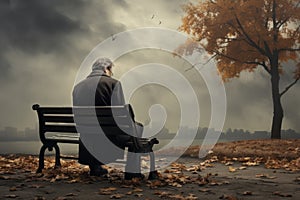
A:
(267, 48)
(274, 14)
(251, 42)
(288, 87)
(205, 63)
(263, 64)
(282, 22)
(296, 30)
(289, 49)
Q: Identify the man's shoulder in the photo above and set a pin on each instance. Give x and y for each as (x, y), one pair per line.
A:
(102, 79)
(108, 79)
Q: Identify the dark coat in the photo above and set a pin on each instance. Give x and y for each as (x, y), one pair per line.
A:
(96, 90)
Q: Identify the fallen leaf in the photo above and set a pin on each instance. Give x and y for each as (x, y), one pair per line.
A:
(228, 197)
(242, 168)
(251, 163)
(39, 198)
(176, 185)
(137, 190)
(243, 159)
(73, 181)
(191, 197)
(116, 196)
(265, 176)
(231, 169)
(282, 194)
(247, 193)
(13, 189)
(177, 197)
(4, 177)
(205, 190)
(162, 194)
(155, 183)
(12, 196)
(228, 163)
(138, 194)
(214, 183)
(107, 191)
(193, 168)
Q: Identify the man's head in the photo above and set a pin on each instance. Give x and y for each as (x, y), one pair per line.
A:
(103, 64)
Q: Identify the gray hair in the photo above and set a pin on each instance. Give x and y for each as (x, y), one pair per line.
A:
(102, 64)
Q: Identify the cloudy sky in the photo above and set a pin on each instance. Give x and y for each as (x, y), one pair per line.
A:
(43, 44)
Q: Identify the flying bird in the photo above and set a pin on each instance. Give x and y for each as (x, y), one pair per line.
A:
(152, 16)
(159, 23)
(113, 37)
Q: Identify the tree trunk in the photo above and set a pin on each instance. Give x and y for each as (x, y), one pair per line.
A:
(277, 107)
(277, 113)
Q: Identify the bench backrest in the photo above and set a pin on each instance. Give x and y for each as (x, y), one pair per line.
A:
(114, 120)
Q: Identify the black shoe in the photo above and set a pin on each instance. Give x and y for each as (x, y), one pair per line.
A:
(98, 171)
(153, 175)
(129, 176)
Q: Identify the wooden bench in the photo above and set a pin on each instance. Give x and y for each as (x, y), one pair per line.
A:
(57, 125)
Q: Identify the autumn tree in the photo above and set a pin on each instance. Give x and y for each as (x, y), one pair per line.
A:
(242, 35)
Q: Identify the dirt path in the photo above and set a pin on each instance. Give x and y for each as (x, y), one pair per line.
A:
(188, 178)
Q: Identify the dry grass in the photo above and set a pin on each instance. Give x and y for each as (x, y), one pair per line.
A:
(288, 149)
(275, 154)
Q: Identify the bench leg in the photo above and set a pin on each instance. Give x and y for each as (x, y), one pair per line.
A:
(152, 161)
(57, 156)
(153, 173)
(41, 159)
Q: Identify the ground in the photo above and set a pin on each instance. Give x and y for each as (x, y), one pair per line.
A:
(264, 169)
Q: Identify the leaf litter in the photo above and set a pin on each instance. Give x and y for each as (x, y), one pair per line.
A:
(17, 167)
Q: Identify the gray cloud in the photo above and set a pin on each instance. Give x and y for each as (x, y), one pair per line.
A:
(42, 44)
(34, 26)
(50, 27)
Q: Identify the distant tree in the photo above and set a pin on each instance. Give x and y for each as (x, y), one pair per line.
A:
(247, 34)
(229, 131)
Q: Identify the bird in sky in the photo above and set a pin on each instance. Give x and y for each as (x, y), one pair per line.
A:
(113, 37)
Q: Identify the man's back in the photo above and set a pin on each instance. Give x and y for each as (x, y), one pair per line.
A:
(98, 90)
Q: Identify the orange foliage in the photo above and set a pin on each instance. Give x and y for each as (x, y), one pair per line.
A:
(244, 34)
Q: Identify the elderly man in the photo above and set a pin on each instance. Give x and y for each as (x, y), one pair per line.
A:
(97, 90)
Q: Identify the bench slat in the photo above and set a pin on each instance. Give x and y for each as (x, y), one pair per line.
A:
(102, 120)
(60, 128)
(61, 119)
(62, 140)
(101, 111)
(56, 110)
(109, 130)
